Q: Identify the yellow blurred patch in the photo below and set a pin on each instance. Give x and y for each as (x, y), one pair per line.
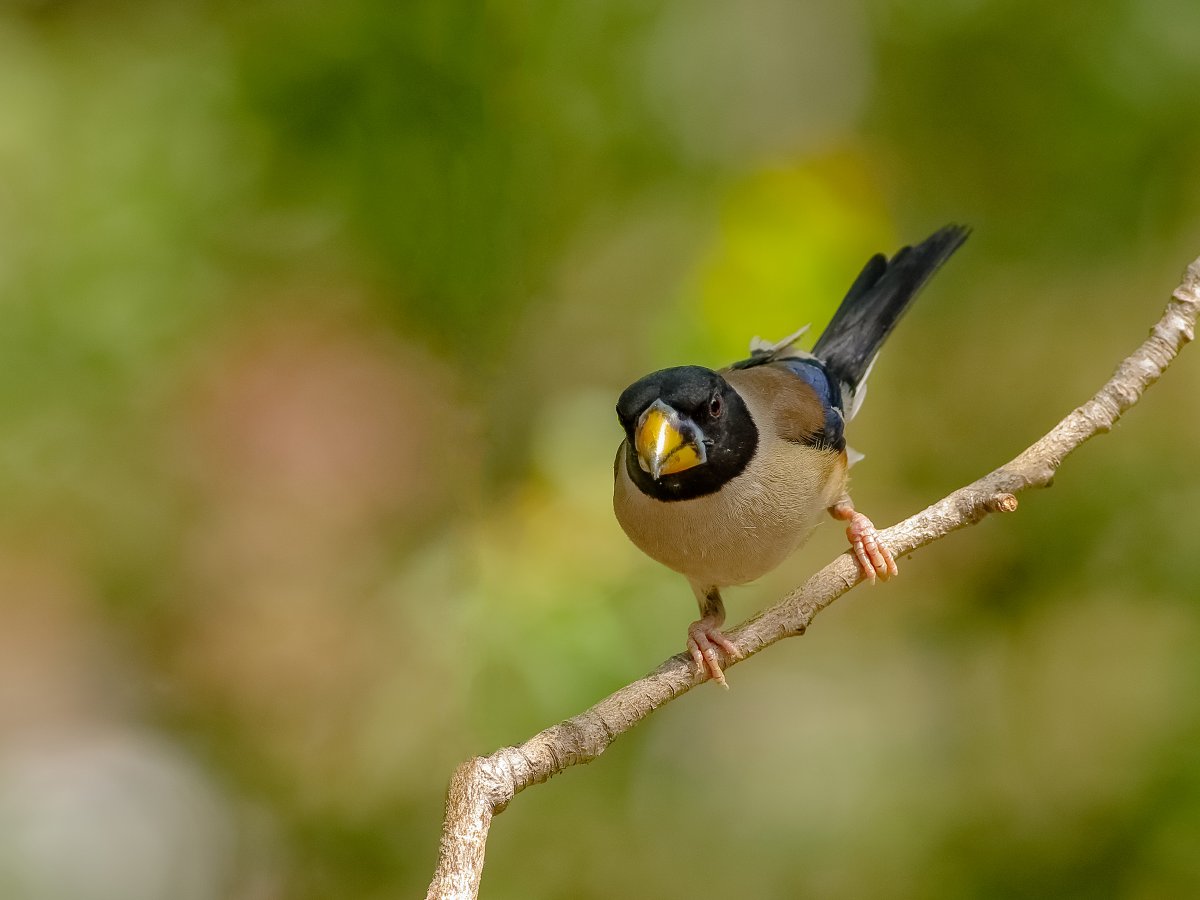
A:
(792, 239)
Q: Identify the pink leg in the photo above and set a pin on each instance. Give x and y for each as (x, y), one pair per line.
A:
(704, 636)
(703, 639)
(874, 558)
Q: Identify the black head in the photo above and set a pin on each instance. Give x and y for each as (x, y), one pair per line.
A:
(717, 434)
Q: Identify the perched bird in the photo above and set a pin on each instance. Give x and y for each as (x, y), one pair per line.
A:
(723, 474)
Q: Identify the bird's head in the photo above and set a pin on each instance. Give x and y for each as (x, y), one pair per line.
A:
(688, 432)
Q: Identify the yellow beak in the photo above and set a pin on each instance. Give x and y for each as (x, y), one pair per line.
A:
(661, 445)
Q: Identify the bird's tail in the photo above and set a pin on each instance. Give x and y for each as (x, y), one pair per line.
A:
(877, 300)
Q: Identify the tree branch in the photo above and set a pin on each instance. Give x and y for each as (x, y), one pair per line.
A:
(483, 786)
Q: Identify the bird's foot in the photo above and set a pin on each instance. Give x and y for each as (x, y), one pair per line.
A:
(704, 637)
(874, 558)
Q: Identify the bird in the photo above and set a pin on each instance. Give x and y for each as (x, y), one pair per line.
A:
(723, 474)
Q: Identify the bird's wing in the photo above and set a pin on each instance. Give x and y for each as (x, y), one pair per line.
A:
(803, 403)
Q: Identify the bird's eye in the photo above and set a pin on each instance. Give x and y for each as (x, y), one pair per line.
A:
(715, 406)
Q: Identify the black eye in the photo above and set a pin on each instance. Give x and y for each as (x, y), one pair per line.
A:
(715, 406)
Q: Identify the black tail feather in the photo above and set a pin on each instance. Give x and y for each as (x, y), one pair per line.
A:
(877, 300)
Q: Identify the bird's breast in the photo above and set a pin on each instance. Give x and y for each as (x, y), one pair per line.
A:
(745, 529)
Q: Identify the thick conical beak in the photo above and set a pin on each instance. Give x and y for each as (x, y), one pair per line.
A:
(666, 442)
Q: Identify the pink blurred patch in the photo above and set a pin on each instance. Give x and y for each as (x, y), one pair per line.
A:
(341, 424)
(317, 452)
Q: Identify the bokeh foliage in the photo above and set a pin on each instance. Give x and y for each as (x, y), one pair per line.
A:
(311, 321)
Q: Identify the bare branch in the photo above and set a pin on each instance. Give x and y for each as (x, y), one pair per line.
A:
(483, 786)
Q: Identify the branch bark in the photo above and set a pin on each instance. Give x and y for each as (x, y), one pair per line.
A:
(482, 787)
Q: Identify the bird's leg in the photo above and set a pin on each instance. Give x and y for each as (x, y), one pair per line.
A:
(705, 635)
(874, 558)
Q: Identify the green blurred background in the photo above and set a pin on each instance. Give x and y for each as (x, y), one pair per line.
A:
(312, 318)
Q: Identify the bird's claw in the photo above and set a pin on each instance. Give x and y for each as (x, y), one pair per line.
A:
(874, 558)
(704, 637)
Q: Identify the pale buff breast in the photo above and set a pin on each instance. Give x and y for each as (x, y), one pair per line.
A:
(747, 528)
